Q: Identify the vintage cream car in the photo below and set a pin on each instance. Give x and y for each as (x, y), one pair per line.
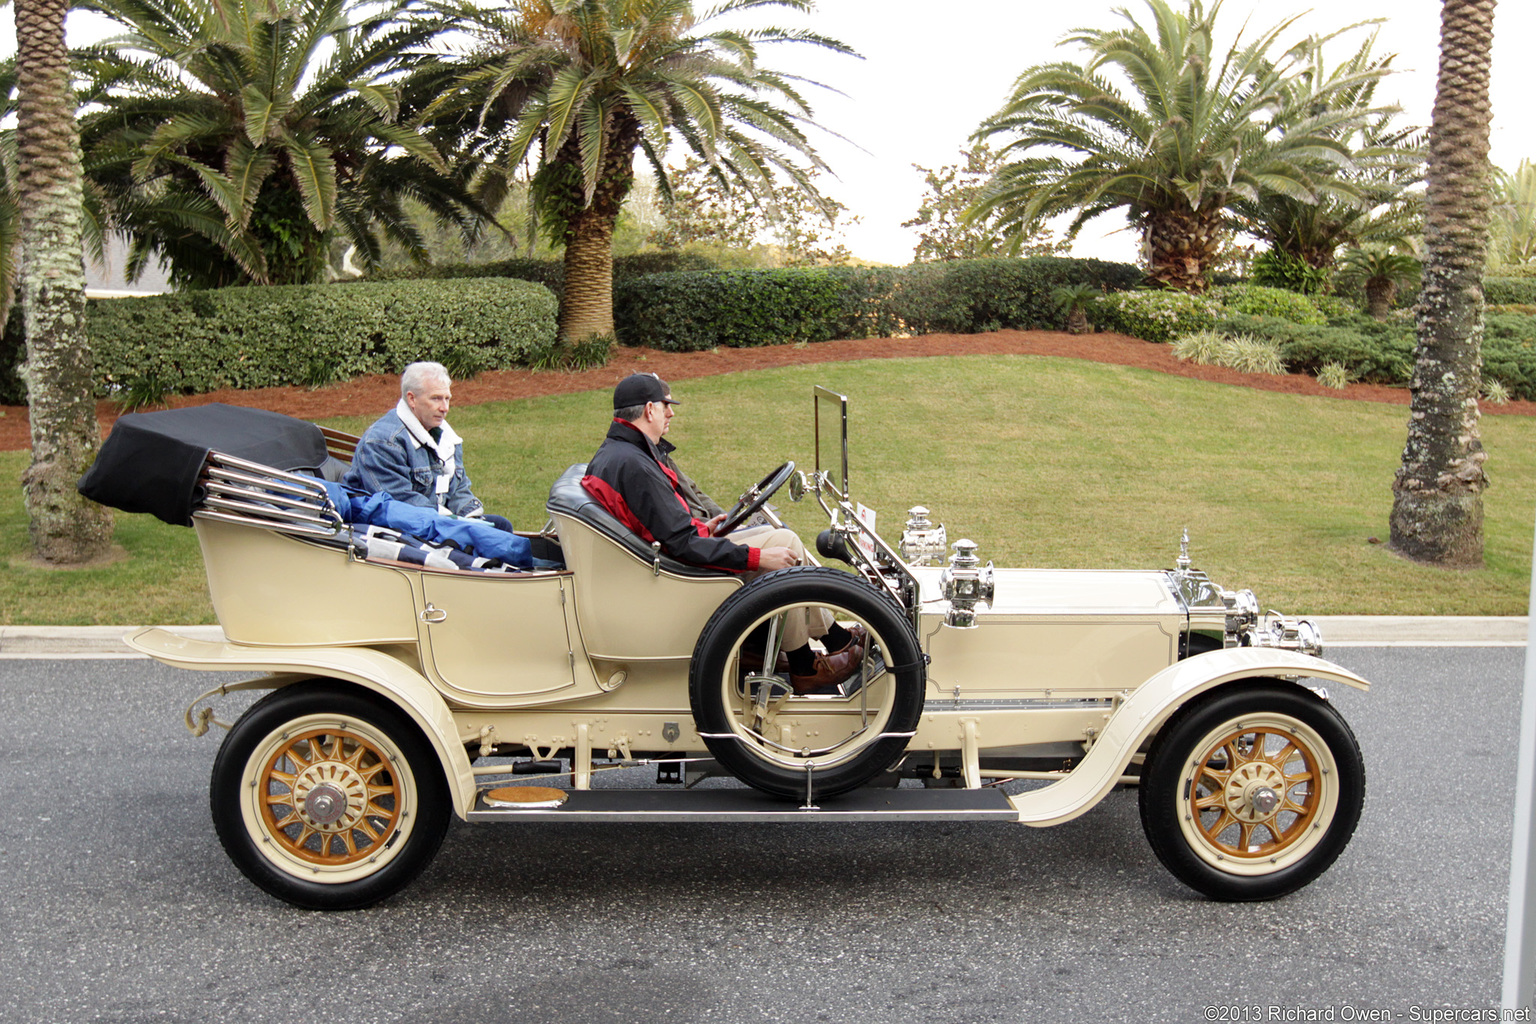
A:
(405, 693)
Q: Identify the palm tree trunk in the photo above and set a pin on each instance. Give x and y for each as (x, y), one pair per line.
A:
(586, 307)
(1181, 244)
(65, 527)
(1437, 507)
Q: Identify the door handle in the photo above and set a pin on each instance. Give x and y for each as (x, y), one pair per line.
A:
(433, 615)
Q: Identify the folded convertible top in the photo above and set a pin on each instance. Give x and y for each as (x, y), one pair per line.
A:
(151, 461)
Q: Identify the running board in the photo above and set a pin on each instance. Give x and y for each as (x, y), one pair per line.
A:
(718, 805)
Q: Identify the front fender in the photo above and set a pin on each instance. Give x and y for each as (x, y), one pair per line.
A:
(1145, 711)
(395, 682)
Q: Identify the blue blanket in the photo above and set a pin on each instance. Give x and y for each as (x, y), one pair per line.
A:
(472, 536)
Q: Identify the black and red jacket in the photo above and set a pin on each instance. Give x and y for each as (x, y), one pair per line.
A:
(627, 478)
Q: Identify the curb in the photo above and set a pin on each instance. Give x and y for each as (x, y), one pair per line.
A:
(63, 642)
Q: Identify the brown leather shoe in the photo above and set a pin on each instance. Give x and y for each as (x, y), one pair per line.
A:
(830, 669)
(857, 635)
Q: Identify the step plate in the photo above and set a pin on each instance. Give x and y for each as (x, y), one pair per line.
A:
(714, 805)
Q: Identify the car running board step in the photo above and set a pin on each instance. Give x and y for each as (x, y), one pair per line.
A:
(716, 805)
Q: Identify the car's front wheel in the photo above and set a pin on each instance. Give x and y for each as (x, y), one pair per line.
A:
(1252, 791)
(328, 799)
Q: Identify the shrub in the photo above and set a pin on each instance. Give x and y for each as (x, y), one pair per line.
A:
(1495, 392)
(1334, 375)
(13, 352)
(1500, 291)
(1243, 353)
(692, 312)
(1276, 269)
(1258, 300)
(1202, 347)
(1374, 351)
(688, 312)
(1247, 354)
(551, 273)
(306, 335)
(1509, 352)
(971, 296)
(1156, 315)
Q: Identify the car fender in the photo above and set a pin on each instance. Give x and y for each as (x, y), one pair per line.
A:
(370, 669)
(1144, 712)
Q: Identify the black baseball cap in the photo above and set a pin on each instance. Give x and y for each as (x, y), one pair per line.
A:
(639, 388)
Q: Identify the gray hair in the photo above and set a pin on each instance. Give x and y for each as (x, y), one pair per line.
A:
(418, 375)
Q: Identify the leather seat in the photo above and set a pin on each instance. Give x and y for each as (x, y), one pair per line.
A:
(568, 498)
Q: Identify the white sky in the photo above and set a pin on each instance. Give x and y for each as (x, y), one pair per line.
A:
(932, 71)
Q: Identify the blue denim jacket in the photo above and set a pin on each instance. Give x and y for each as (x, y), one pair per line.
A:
(389, 460)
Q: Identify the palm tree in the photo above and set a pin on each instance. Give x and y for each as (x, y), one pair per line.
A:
(579, 87)
(1195, 131)
(1368, 201)
(1379, 272)
(65, 527)
(1437, 496)
(1514, 216)
(241, 137)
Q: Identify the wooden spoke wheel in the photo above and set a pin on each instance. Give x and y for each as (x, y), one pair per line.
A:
(326, 798)
(1252, 791)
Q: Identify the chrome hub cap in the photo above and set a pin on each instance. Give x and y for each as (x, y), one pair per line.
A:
(329, 796)
(1252, 791)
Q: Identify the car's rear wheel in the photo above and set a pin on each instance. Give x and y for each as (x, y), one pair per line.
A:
(827, 743)
(1253, 791)
(327, 799)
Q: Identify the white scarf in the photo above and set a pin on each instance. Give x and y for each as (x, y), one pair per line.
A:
(443, 446)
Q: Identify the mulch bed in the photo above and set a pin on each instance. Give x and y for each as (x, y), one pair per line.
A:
(372, 395)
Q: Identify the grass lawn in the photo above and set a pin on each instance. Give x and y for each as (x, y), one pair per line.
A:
(1041, 461)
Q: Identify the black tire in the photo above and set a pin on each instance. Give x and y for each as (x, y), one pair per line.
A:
(1203, 792)
(857, 737)
(375, 807)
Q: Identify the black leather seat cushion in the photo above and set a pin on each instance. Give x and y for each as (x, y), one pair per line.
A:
(569, 498)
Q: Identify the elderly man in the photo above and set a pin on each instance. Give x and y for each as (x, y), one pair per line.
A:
(413, 455)
(629, 477)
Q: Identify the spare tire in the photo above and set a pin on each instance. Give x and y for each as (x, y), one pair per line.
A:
(781, 743)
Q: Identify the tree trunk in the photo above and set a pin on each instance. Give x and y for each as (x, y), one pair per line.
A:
(586, 306)
(1380, 293)
(1437, 507)
(1181, 244)
(65, 527)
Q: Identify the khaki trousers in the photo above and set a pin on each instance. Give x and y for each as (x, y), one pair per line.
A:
(801, 624)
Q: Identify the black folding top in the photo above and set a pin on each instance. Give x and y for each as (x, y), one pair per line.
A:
(151, 460)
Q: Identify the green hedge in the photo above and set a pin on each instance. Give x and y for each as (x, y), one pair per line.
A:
(971, 296)
(551, 273)
(314, 334)
(692, 311)
(1503, 291)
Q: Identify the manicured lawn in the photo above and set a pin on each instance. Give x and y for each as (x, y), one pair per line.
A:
(1043, 462)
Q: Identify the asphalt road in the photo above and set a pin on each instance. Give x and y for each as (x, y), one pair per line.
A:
(117, 903)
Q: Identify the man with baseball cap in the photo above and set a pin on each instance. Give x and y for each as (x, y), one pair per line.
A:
(630, 478)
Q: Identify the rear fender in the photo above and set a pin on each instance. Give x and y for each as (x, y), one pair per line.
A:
(1145, 711)
(370, 669)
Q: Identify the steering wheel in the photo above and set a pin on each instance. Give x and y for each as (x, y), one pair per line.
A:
(754, 498)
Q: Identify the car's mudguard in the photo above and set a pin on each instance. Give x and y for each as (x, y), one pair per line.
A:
(1145, 711)
(368, 668)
